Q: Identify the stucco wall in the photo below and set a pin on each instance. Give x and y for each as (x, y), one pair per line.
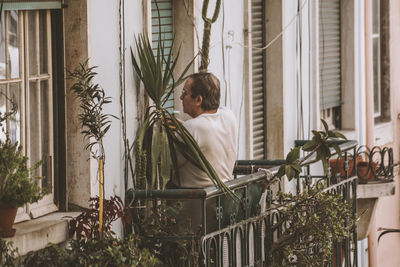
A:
(111, 30)
(388, 210)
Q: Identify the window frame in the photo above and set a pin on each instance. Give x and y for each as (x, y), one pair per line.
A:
(43, 76)
(383, 69)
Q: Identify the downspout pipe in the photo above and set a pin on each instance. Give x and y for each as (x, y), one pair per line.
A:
(369, 100)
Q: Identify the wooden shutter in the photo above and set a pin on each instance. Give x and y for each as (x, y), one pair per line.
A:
(162, 27)
(258, 78)
(329, 54)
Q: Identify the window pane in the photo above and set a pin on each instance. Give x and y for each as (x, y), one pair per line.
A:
(2, 50)
(377, 94)
(32, 40)
(3, 109)
(375, 16)
(34, 125)
(15, 121)
(13, 44)
(43, 41)
(45, 136)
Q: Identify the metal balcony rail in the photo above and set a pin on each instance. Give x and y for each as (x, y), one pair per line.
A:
(229, 233)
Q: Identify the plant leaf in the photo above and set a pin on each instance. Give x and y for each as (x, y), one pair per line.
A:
(325, 125)
(310, 145)
(293, 155)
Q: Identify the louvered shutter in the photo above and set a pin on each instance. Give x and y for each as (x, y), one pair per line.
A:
(329, 54)
(258, 78)
(30, 4)
(162, 21)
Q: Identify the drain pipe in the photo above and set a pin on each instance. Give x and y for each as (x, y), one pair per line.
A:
(369, 100)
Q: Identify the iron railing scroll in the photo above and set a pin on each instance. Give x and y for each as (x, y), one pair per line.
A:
(242, 233)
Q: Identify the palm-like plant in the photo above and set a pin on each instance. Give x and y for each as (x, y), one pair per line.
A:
(162, 135)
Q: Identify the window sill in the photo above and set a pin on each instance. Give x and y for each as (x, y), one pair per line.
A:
(383, 133)
(37, 233)
(376, 190)
(349, 133)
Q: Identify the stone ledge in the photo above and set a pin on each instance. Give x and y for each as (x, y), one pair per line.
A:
(376, 190)
(35, 234)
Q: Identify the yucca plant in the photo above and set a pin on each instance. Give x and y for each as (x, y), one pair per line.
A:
(162, 136)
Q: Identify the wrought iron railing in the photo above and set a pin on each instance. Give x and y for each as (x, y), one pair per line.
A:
(230, 233)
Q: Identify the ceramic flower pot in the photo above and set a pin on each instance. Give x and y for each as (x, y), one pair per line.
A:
(337, 166)
(366, 170)
(7, 215)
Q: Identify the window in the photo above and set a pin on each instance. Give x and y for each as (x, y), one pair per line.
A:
(258, 78)
(26, 77)
(330, 61)
(380, 33)
(161, 21)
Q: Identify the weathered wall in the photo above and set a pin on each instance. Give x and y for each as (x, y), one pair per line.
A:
(112, 27)
(78, 168)
(388, 210)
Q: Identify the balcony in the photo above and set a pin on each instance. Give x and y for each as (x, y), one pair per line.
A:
(247, 232)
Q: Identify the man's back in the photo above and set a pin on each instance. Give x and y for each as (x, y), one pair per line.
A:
(216, 134)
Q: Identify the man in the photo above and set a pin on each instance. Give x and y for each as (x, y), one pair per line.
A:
(213, 127)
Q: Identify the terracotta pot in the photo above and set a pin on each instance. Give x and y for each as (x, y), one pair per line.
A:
(337, 166)
(7, 215)
(364, 171)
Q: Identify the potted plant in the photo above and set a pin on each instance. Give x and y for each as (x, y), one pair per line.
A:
(162, 135)
(16, 184)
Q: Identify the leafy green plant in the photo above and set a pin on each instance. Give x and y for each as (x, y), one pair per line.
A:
(86, 225)
(17, 186)
(109, 252)
(320, 145)
(158, 232)
(94, 122)
(162, 135)
(9, 256)
(315, 219)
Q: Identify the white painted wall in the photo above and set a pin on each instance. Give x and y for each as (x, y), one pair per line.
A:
(104, 52)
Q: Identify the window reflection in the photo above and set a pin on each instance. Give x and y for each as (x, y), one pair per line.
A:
(15, 121)
(3, 109)
(2, 50)
(13, 40)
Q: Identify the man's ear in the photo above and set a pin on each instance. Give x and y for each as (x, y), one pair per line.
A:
(199, 100)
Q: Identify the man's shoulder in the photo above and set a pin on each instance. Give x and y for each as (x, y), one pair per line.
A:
(226, 112)
(193, 124)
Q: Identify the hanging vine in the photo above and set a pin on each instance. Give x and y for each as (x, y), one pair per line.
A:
(205, 49)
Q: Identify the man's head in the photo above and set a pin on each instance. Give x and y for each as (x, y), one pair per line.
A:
(200, 94)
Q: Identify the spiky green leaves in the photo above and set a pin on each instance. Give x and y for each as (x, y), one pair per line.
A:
(156, 71)
(162, 136)
(320, 145)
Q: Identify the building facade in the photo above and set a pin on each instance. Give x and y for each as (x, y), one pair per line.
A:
(283, 65)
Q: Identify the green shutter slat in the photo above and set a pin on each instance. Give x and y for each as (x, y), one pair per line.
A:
(330, 54)
(162, 27)
(31, 5)
(258, 79)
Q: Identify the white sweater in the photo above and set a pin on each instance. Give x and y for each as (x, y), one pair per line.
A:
(216, 134)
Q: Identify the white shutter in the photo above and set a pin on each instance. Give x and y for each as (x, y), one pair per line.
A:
(258, 78)
(329, 54)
